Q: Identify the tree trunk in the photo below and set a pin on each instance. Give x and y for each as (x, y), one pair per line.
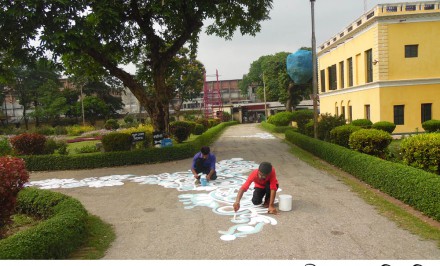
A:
(289, 106)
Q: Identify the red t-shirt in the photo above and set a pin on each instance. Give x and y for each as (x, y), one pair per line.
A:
(261, 183)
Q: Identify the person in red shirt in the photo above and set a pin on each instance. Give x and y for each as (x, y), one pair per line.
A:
(265, 185)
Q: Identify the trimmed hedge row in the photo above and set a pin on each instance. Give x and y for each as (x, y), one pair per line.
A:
(62, 231)
(121, 158)
(272, 128)
(412, 186)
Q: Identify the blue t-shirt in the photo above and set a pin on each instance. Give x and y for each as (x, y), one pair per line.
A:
(166, 142)
(209, 162)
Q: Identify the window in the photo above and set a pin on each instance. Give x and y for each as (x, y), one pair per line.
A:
(411, 50)
(323, 80)
(350, 72)
(410, 7)
(369, 66)
(399, 117)
(336, 111)
(341, 73)
(333, 83)
(350, 113)
(426, 111)
(343, 111)
(429, 6)
(367, 112)
(391, 8)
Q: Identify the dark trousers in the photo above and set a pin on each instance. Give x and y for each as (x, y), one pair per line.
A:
(204, 169)
(259, 193)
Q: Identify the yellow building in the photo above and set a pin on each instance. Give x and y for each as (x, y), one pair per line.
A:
(385, 66)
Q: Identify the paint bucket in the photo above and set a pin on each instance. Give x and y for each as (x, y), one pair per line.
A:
(203, 181)
(285, 203)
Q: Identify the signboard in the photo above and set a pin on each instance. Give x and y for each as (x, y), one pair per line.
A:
(138, 136)
(157, 137)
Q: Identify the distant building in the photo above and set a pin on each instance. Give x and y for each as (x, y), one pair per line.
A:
(385, 66)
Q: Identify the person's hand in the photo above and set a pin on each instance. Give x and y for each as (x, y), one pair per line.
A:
(208, 177)
(272, 210)
(196, 176)
(236, 206)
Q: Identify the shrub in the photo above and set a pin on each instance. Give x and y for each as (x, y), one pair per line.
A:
(129, 119)
(341, 134)
(60, 130)
(326, 123)
(147, 129)
(111, 124)
(116, 141)
(302, 117)
(370, 141)
(45, 130)
(226, 117)
(5, 146)
(87, 149)
(363, 123)
(385, 126)
(281, 119)
(13, 176)
(214, 122)
(422, 151)
(431, 125)
(202, 121)
(199, 129)
(181, 130)
(77, 130)
(62, 230)
(28, 144)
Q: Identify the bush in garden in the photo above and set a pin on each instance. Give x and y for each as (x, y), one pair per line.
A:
(341, 134)
(214, 122)
(199, 129)
(116, 141)
(77, 130)
(87, 149)
(281, 119)
(370, 141)
(111, 124)
(28, 144)
(431, 126)
(385, 126)
(52, 145)
(60, 130)
(203, 121)
(422, 151)
(327, 122)
(5, 147)
(180, 130)
(13, 176)
(129, 119)
(226, 117)
(147, 129)
(363, 123)
(45, 130)
(302, 117)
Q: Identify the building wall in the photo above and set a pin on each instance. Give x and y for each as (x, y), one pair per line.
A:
(426, 35)
(396, 79)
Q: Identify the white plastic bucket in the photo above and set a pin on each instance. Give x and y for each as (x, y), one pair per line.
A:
(285, 203)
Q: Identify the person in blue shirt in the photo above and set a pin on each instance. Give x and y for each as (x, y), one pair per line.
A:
(204, 162)
(166, 141)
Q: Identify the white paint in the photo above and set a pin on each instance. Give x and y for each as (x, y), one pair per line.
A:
(219, 195)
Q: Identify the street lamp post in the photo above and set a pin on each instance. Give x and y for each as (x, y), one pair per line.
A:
(315, 76)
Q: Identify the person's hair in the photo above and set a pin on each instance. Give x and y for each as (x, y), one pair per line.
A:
(265, 168)
(205, 150)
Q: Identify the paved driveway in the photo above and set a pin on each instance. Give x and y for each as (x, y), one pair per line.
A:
(157, 214)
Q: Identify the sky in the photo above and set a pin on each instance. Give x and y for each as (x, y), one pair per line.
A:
(289, 29)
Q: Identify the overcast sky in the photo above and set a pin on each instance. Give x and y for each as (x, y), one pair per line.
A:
(288, 30)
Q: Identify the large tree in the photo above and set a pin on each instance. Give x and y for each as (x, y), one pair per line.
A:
(279, 86)
(104, 35)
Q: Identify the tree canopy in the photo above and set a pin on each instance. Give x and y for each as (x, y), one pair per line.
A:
(102, 36)
(279, 86)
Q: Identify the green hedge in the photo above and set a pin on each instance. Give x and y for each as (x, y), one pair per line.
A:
(62, 231)
(121, 158)
(412, 186)
(272, 128)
